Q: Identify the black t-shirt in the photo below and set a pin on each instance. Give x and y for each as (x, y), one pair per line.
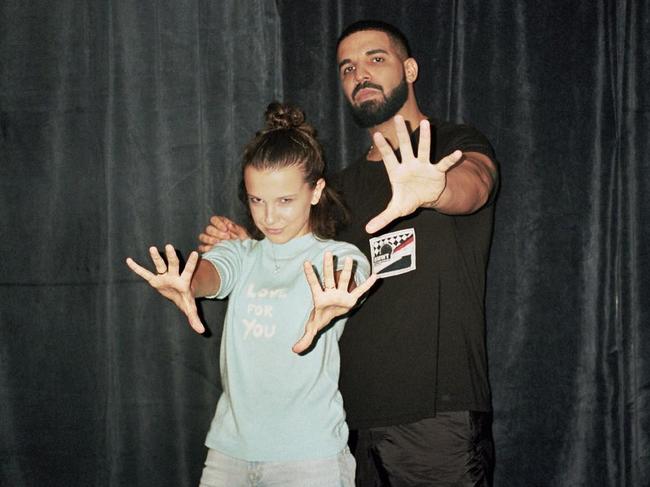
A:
(417, 344)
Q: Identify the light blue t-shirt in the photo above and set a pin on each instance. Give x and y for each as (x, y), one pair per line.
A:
(277, 405)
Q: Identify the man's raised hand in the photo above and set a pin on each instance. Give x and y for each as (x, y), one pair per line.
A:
(415, 182)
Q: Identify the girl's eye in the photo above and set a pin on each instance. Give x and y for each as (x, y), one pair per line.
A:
(253, 199)
(286, 200)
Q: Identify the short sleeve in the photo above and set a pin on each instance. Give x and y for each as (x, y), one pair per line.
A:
(451, 137)
(227, 259)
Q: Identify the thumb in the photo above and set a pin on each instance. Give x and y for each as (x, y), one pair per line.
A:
(305, 342)
(196, 324)
(446, 163)
(193, 317)
(383, 219)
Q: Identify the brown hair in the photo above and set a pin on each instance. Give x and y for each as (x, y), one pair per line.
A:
(286, 141)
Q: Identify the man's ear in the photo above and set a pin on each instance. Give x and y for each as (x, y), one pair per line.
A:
(411, 70)
(318, 191)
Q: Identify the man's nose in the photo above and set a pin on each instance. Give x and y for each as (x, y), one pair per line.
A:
(361, 74)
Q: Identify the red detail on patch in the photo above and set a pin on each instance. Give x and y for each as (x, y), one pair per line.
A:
(404, 244)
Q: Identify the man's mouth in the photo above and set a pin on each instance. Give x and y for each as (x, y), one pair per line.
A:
(365, 93)
(365, 90)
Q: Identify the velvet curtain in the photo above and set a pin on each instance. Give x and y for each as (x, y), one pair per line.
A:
(121, 127)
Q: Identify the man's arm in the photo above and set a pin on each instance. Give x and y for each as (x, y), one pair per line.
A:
(468, 185)
(460, 183)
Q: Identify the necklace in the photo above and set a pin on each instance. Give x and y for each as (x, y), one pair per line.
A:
(276, 266)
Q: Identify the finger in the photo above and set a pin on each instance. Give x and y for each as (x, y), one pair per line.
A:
(404, 138)
(172, 259)
(424, 145)
(158, 261)
(190, 265)
(328, 271)
(204, 248)
(208, 240)
(139, 270)
(216, 233)
(307, 339)
(359, 290)
(237, 231)
(219, 223)
(346, 273)
(386, 151)
(312, 280)
(192, 314)
(446, 163)
(384, 218)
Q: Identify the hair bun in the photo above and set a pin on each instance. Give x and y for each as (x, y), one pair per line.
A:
(284, 116)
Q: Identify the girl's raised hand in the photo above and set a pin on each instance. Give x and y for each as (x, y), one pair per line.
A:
(332, 299)
(171, 283)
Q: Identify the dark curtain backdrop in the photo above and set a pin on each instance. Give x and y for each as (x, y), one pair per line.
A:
(121, 126)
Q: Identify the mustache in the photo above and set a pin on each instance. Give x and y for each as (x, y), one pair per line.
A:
(365, 84)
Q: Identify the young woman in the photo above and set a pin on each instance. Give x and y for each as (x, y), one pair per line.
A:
(280, 418)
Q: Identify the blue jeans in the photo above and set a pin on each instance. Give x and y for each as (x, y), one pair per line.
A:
(223, 471)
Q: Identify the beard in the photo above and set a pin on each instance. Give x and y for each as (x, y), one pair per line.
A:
(371, 112)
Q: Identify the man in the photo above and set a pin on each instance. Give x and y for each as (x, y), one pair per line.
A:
(413, 359)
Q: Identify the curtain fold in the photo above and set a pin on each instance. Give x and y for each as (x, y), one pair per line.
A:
(122, 126)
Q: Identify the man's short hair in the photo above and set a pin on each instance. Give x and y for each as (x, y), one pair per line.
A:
(397, 38)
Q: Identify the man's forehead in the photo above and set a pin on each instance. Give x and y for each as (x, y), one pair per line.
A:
(364, 41)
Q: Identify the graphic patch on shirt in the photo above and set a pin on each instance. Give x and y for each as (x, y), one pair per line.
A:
(393, 253)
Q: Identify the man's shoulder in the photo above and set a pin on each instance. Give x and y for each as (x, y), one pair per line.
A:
(352, 167)
(343, 178)
(451, 135)
(447, 127)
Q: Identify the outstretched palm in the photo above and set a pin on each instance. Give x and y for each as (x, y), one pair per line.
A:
(332, 299)
(172, 284)
(415, 181)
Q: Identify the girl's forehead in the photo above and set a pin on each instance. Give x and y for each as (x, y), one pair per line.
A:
(278, 181)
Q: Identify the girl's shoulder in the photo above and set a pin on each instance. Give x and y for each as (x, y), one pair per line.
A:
(235, 247)
(333, 245)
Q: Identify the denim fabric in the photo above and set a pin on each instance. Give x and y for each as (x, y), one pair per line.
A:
(223, 471)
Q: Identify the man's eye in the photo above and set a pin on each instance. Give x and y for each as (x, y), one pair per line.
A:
(378, 59)
(348, 69)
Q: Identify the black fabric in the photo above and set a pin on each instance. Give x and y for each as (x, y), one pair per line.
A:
(417, 345)
(121, 126)
(454, 449)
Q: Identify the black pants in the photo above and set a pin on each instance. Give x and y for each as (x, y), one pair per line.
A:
(451, 449)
